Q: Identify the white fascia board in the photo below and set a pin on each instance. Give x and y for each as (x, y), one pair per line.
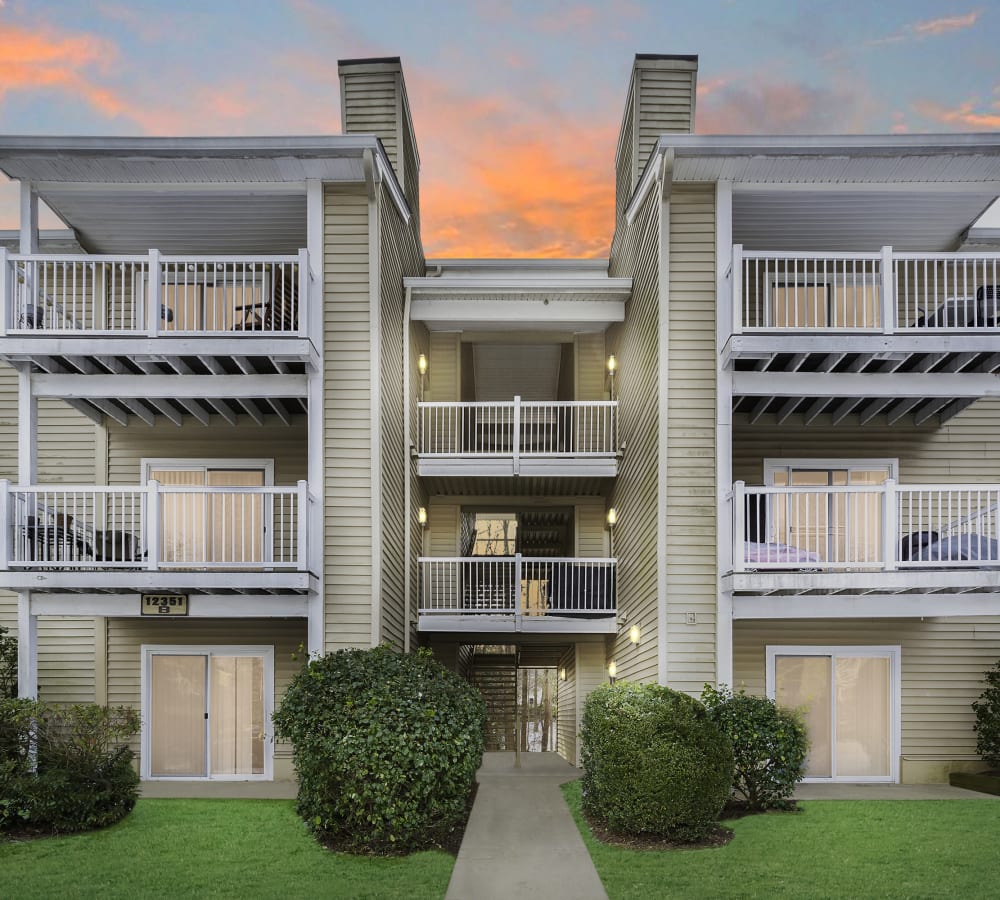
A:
(162, 581)
(954, 579)
(515, 313)
(865, 606)
(24, 145)
(286, 348)
(831, 144)
(465, 285)
(233, 387)
(200, 606)
(847, 384)
(569, 268)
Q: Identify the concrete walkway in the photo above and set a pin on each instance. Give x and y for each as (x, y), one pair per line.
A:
(841, 791)
(521, 840)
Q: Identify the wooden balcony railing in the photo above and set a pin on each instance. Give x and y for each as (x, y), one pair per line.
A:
(865, 527)
(882, 292)
(517, 585)
(152, 295)
(522, 428)
(153, 527)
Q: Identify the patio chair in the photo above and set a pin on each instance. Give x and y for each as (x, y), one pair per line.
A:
(277, 313)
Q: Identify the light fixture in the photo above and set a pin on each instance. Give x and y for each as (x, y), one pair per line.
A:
(422, 516)
(634, 633)
(422, 365)
(562, 674)
(612, 671)
(612, 368)
(612, 518)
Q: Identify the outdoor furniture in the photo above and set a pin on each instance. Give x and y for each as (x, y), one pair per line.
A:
(279, 312)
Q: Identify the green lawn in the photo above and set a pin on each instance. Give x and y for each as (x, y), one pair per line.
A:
(210, 848)
(833, 848)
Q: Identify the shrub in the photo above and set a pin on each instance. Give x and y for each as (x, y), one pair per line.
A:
(769, 746)
(386, 748)
(987, 726)
(654, 762)
(65, 769)
(8, 664)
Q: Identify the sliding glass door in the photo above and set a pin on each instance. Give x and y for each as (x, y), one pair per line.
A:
(849, 698)
(207, 712)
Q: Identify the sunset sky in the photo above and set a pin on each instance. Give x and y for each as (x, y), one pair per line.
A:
(516, 104)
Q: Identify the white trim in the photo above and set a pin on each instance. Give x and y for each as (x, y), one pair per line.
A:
(148, 651)
(865, 606)
(148, 463)
(200, 606)
(197, 387)
(375, 408)
(892, 652)
(900, 385)
(663, 419)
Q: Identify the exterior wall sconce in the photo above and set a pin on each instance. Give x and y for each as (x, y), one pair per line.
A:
(612, 519)
(562, 674)
(634, 633)
(612, 671)
(612, 368)
(422, 369)
(422, 516)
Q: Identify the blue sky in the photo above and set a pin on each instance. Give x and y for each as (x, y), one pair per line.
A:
(516, 104)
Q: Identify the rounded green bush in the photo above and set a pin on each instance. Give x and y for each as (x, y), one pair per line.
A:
(654, 762)
(770, 745)
(987, 727)
(386, 748)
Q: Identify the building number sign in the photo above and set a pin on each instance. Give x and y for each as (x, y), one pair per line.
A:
(164, 605)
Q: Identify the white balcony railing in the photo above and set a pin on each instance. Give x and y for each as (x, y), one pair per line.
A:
(153, 526)
(871, 527)
(152, 295)
(517, 585)
(924, 293)
(522, 428)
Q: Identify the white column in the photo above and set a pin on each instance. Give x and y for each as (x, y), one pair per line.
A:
(726, 317)
(27, 648)
(29, 218)
(27, 431)
(314, 428)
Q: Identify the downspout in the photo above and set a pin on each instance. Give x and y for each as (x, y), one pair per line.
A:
(664, 179)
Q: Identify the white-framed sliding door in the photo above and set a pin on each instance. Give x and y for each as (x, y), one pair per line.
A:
(216, 525)
(206, 712)
(851, 700)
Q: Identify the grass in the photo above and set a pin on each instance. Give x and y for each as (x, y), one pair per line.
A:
(210, 848)
(832, 848)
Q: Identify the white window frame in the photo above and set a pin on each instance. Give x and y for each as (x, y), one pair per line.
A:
(148, 651)
(828, 464)
(892, 652)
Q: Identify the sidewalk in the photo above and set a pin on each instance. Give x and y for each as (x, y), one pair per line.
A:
(521, 840)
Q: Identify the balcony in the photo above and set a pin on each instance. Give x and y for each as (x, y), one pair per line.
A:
(492, 594)
(887, 549)
(104, 539)
(903, 333)
(136, 317)
(521, 438)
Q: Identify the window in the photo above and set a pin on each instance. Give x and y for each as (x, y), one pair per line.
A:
(839, 525)
(851, 698)
(206, 712)
(850, 300)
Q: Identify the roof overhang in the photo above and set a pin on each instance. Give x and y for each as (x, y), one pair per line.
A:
(181, 195)
(496, 295)
(844, 192)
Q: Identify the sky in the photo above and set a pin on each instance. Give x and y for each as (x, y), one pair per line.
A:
(516, 103)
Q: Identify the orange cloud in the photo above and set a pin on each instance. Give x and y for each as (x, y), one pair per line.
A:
(933, 27)
(963, 116)
(502, 180)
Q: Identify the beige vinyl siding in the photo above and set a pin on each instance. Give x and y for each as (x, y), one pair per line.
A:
(399, 258)
(625, 158)
(591, 374)
(444, 367)
(567, 725)
(691, 564)
(66, 665)
(442, 528)
(943, 661)
(347, 410)
(666, 97)
(635, 342)
(591, 673)
(126, 637)
(370, 106)
(591, 530)
(409, 171)
(962, 450)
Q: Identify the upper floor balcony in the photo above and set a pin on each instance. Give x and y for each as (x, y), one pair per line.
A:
(496, 594)
(903, 333)
(133, 324)
(153, 537)
(865, 550)
(519, 438)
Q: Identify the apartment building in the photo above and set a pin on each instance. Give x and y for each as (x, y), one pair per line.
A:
(756, 446)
